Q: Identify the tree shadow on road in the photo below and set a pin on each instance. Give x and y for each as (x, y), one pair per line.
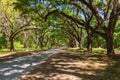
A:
(67, 66)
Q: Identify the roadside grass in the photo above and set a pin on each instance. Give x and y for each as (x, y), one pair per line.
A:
(117, 50)
(3, 51)
(84, 51)
(17, 50)
(95, 50)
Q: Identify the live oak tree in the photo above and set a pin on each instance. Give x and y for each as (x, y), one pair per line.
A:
(12, 24)
(71, 30)
(85, 23)
(73, 12)
(36, 10)
(74, 33)
(55, 32)
(106, 13)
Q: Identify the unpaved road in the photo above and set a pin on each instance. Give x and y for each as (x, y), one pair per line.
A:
(15, 68)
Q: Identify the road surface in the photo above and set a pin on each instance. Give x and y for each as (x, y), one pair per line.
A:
(15, 68)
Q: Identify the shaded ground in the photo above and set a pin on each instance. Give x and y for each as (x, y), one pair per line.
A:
(71, 66)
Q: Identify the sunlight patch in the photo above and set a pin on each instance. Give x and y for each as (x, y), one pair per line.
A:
(12, 72)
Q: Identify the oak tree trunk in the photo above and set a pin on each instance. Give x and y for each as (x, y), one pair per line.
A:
(11, 44)
(80, 39)
(80, 45)
(89, 40)
(110, 45)
(89, 43)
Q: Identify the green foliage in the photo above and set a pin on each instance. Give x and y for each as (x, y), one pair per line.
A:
(18, 44)
(58, 30)
(3, 41)
(98, 41)
(117, 34)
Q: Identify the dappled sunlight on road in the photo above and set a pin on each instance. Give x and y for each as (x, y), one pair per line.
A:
(66, 66)
(15, 68)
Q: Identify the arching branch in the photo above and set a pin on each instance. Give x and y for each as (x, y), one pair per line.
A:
(74, 20)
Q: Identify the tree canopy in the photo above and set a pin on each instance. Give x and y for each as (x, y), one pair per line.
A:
(77, 23)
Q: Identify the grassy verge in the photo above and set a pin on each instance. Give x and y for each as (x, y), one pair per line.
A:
(84, 51)
(95, 50)
(5, 51)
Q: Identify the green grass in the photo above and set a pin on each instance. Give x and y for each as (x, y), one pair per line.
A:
(4, 51)
(117, 50)
(84, 51)
(94, 51)
(99, 51)
(75, 50)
